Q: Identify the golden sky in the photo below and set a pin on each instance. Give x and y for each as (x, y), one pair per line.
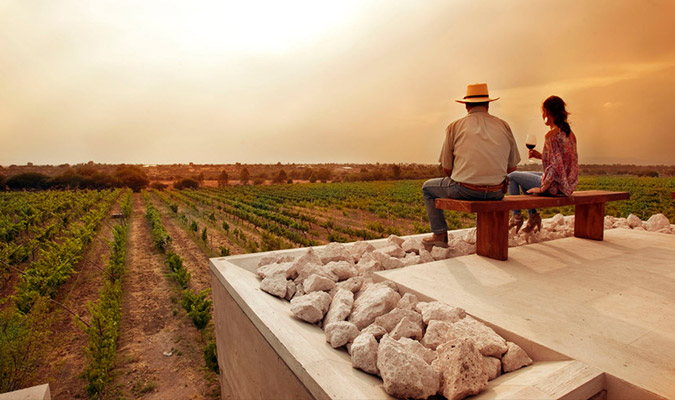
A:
(159, 81)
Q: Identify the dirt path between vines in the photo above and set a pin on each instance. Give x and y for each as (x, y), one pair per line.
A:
(154, 324)
(64, 359)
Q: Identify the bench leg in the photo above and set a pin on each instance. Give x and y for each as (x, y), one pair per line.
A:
(492, 234)
(589, 221)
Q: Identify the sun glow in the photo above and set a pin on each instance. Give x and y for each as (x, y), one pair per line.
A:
(258, 26)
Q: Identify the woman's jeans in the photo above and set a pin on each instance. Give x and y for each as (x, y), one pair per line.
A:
(523, 180)
(447, 188)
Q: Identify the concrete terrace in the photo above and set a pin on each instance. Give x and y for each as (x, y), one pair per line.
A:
(593, 315)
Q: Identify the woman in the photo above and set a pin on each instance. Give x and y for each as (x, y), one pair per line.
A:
(560, 161)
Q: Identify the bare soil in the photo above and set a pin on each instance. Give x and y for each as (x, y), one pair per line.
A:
(159, 350)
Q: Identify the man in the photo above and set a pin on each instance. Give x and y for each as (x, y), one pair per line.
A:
(478, 152)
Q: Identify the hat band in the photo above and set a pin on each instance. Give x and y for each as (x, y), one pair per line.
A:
(476, 95)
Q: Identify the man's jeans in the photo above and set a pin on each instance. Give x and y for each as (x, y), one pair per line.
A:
(523, 180)
(447, 188)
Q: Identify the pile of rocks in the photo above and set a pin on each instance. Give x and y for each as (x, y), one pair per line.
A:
(656, 223)
(419, 349)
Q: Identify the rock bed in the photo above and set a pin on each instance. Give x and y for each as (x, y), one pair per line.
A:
(419, 349)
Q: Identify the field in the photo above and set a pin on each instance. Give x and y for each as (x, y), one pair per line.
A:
(105, 293)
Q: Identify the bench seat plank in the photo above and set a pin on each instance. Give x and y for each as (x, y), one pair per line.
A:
(530, 201)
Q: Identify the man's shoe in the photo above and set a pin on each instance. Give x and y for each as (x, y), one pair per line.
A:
(437, 239)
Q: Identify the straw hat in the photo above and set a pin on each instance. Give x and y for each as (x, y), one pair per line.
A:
(476, 93)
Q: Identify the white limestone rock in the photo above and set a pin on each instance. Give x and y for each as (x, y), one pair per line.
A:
(395, 240)
(286, 269)
(558, 219)
(335, 252)
(310, 257)
(407, 329)
(436, 334)
(460, 247)
(306, 270)
(363, 352)
(342, 269)
(389, 320)
(386, 261)
(440, 253)
(411, 259)
(275, 285)
(311, 307)
(470, 236)
(299, 290)
(487, 341)
(367, 265)
(352, 284)
(405, 374)
(371, 302)
(290, 290)
(392, 251)
(657, 223)
(360, 248)
(415, 347)
(640, 228)
(462, 369)
(569, 221)
(340, 333)
(408, 302)
(340, 307)
(514, 358)
(275, 258)
(425, 256)
(375, 330)
(412, 245)
(621, 223)
(492, 367)
(609, 222)
(316, 283)
(634, 221)
(436, 310)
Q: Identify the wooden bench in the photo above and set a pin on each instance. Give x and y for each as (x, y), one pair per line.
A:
(492, 231)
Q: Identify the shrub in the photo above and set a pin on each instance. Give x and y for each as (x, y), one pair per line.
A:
(132, 176)
(211, 356)
(204, 235)
(198, 307)
(159, 185)
(186, 183)
(226, 226)
(29, 180)
(194, 226)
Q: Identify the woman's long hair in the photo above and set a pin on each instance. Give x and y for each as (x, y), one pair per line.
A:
(555, 107)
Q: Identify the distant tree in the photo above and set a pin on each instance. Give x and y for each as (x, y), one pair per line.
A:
(29, 180)
(258, 181)
(324, 174)
(2, 182)
(187, 183)
(159, 185)
(200, 178)
(223, 179)
(132, 176)
(396, 169)
(281, 178)
(244, 176)
(307, 173)
(312, 178)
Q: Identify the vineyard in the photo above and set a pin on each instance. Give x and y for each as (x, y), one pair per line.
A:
(105, 293)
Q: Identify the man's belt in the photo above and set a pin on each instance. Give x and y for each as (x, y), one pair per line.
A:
(494, 188)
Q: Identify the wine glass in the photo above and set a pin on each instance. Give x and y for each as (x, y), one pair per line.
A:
(531, 143)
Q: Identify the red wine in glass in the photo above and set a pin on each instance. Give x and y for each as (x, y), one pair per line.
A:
(531, 143)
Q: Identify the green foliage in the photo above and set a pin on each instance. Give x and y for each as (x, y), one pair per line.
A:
(226, 226)
(106, 313)
(173, 208)
(127, 206)
(194, 226)
(224, 251)
(198, 307)
(211, 356)
(204, 235)
(160, 236)
(22, 340)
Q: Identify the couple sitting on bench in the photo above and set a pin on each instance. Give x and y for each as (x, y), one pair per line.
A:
(480, 157)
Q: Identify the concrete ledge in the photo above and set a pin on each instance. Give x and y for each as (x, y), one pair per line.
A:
(40, 392)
